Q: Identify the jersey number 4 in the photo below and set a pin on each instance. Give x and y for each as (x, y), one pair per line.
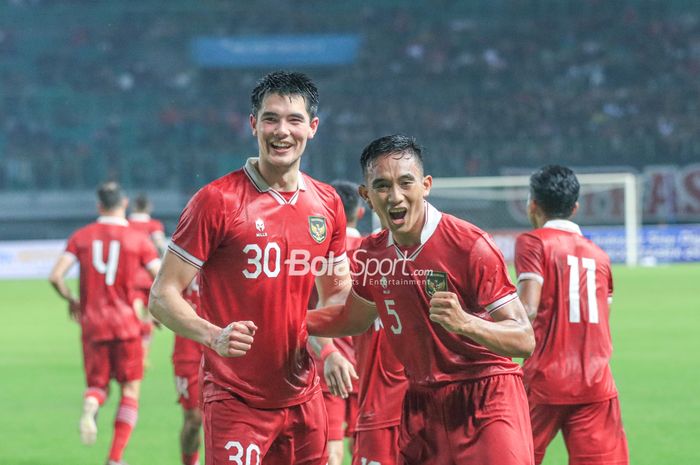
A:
(588, 264)
(108, 268)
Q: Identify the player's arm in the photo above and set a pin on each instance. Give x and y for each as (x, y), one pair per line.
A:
(338, 371)
(167, 304)
(530, 293)
(159, 240)
(58, 281)
(509, 334)
(354, 317)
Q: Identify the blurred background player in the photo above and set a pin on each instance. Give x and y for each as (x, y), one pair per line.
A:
(565, 284)
(109, 253)
(335, 358)
(261, 399)
(140, 218)
(451, 315)
(381, 389)
(187, 358)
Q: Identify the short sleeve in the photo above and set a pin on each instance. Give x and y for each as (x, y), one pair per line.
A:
(488, 276)
(336, 249)
(149, 253)
(201, 227)
(529, 258)
(72, 245)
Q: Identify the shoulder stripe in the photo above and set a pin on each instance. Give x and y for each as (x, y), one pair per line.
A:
(501, 302)
(186, 256)
(534, 276)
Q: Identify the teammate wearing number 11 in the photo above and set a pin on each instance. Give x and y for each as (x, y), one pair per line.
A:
(565, 283)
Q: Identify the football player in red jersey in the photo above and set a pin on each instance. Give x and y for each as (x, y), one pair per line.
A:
(335, 358)
(450, 312)
(255, 236)
(187, 357)
(140, 218)
(565, 284)
(109, 253)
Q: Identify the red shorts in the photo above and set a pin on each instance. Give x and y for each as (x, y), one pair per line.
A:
(593, 433)
(481, 421)
(187, 384)
(118, 359)
(376, 446)
(237, 433)
(340, 412)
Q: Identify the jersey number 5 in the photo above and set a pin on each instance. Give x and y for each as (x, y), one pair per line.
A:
(109, 269)
(389, 308)
(588, 264)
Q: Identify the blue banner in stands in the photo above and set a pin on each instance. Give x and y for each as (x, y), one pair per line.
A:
(278, 50)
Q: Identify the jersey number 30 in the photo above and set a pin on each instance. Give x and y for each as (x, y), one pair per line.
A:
(588, 264)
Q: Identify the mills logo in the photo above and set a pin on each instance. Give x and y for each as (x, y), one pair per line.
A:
(260, 226)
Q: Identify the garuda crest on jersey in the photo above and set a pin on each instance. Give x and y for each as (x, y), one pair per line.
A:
(435, 281)
(317, 228)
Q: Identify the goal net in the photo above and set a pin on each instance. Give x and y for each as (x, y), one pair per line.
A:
(608, 212)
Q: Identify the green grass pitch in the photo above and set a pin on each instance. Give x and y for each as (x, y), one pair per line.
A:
(656, 317)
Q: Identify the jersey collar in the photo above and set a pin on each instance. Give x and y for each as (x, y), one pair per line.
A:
(563, 225)
(141, 217)
(432, 220)
(251, 170)
(112, 220)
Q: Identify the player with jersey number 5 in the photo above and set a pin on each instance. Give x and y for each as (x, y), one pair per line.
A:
(110, 253)
(565, 283)
(255, 236)
(450, 313)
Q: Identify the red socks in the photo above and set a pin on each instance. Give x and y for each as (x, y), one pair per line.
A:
(123, 425)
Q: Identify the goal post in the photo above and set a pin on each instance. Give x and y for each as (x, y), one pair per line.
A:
(608, 201)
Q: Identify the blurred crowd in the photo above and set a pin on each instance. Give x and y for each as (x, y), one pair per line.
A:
(99, 90)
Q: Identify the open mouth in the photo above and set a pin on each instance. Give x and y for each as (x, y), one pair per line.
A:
(280, 145)
(397, 214)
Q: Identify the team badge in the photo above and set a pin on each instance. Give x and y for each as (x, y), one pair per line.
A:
(435, 281)
(317, 228)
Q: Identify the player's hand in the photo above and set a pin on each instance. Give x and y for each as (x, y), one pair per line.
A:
(235, 340)
(74, 309)
(446, 310)
(339, 374)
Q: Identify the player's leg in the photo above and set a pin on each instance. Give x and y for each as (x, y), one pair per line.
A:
(97, 370)
(594, 435)
(335, 408)
(237, 433)
(546, 421)
(488, 421)
(304, 436)
(351, 411)
(377, 446)
(186, 382)
(127, 359)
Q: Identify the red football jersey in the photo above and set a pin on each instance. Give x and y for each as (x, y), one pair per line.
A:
(570, 364)
(253, 246)
(185, 349)
(383, 382)
(453, 256)
(110, 253)
(344, 344)
(144, 223)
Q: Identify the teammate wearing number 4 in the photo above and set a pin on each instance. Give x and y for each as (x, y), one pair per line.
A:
(449, 311)
(110, 253)
(252, 236)
(565, 283)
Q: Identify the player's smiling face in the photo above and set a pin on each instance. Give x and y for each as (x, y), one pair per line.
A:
(282, 127)
(395, 189)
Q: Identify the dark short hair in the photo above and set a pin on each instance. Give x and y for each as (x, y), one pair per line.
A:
(387, 145)
(110, 195)
(555, 188)
(347, 191)
(287, 84)
(142, 203)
